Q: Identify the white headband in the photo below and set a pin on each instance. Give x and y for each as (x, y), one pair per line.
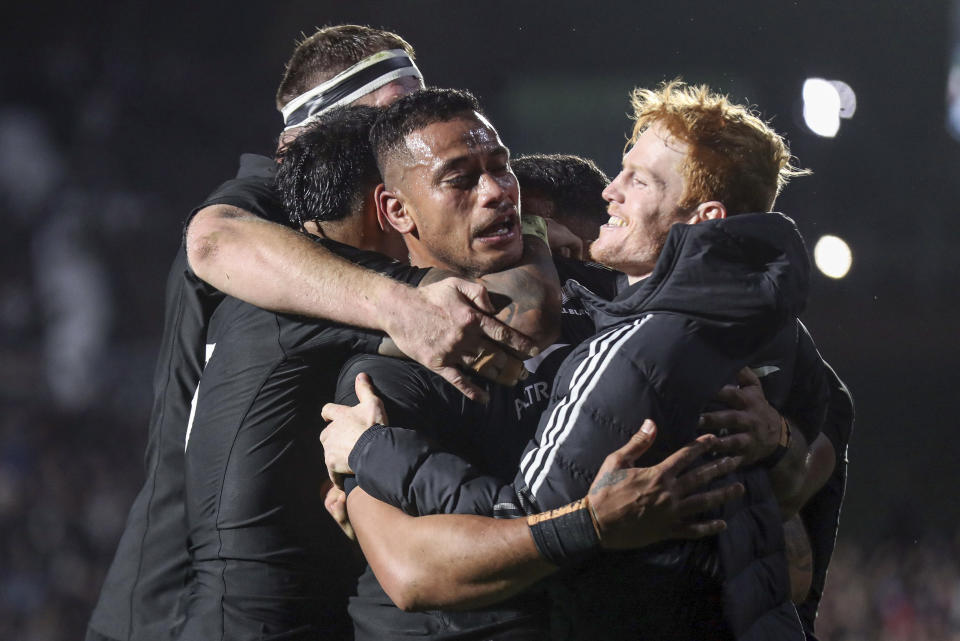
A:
(368, 75)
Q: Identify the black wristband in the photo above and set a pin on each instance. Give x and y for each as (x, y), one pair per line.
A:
(783, 446)
(567, 535)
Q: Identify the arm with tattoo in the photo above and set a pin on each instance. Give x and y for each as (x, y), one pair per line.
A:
(465, 561)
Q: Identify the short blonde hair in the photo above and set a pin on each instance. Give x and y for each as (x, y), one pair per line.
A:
(735, 157)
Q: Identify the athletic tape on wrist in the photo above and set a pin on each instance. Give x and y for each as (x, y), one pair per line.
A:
(352, 83)
(534, 226)
(567, 535)
(783, 445)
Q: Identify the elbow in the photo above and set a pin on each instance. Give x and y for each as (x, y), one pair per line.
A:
(789, 507)
(404, 589)
(410, 603)
(205, 237)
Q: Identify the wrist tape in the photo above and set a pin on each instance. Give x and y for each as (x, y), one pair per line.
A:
(534, 226)
(567, 535)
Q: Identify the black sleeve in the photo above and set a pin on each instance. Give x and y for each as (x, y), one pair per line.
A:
(600, 280)
(810, 391)
(255, 194)
(838, 424)
(402, 467)
(409, 468)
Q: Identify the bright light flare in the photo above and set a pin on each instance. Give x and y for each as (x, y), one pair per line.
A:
(833, 256)
(825, 102)
(821, 107)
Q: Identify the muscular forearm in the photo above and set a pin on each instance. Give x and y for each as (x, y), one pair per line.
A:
(445, 561)
(818, 466)
(466, 561)
(276, 268)
(787, 476)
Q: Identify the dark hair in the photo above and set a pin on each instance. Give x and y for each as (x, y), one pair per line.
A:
(414, 112)
(573, 184)
(328, 52)
(326, 172)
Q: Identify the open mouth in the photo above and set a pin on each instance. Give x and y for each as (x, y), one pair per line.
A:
(503, 229)
(615, 221)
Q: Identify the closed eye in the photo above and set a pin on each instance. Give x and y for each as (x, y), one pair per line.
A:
(462, 181)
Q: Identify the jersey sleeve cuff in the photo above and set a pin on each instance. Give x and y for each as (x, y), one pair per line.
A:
(356, 454)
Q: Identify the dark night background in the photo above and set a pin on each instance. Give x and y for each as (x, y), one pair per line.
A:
(116, 119)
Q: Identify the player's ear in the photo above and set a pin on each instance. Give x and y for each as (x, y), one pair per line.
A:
(392, 211)
(710, 210)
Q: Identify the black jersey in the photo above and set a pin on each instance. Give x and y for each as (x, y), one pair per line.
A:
(140, 593)
(821, 514)
(267, 558)
(491, 436)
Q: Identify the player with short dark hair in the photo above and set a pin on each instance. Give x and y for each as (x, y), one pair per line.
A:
(266, 559)
(326, 173)
(238, 242)
(565, 188)
(420, 109)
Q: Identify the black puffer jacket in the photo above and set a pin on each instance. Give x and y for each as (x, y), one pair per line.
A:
(720, 292)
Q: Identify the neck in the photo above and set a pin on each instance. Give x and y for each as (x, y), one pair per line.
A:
(420, 256)
(362, 231)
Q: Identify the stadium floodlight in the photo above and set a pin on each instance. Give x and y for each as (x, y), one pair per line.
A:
(825, 102)
(832, 256)
(821, 107)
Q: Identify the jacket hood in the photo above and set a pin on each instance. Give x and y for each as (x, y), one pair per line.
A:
(729, 270)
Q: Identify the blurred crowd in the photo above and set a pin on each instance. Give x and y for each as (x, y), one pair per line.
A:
(900, 589)
(84, 251)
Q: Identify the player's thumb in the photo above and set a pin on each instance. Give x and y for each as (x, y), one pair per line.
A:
(363, 387)
(631, 451)
(476, 294)
(747, 378)
(639, 443)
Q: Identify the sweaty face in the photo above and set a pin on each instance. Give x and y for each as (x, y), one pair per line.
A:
(644, 203)
(457, 187)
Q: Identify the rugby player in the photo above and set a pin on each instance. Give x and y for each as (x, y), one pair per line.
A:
(566, 189)
(716, 590)
(267, 563)
(236, 242)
